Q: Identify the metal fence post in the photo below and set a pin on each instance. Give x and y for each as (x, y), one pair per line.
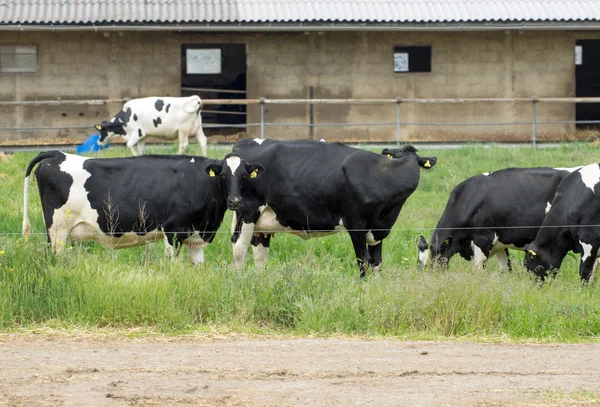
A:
(533, 122)
(398, 138)
(262, 117)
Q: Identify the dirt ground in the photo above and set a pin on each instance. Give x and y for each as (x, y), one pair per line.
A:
(225, 371)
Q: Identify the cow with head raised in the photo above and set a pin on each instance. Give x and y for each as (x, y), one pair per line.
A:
(161, 117)
(310, 188)
(126, 202)
(492, 212)
(572, 223)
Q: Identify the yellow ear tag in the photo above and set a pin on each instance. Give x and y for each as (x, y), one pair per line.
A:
(211, 173)
(254, 174)
(531, 253)
(390, 156)
(427, 164)
(98, 127)
(447, 241)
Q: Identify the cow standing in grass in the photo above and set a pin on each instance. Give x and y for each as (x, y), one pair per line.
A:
(311, 188)
(126, 202)
(161, 117)
(572, 223)
(490, 213)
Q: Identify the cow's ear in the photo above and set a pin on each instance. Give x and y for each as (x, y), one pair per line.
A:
(448, 241)
(427, 162)
(213, 169)
(423, 243)
(254, 169)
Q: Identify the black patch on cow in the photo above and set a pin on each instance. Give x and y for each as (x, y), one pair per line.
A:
(135, 117)
(168, 107)
(238, 228)
(261, 239)
(159, 104)
(157, 121)
(140, 134)
(117, 125)
(54, 185)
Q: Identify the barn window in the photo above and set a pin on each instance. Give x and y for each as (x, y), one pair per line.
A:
(203, 61)
(18, 58)
(412, 59)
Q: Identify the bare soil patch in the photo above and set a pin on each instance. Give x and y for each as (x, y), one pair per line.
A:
(48, 371)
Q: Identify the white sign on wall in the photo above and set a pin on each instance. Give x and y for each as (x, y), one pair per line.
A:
(400, 61)
(203, 61)
(578, 55)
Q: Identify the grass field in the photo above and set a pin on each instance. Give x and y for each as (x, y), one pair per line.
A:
(308, 287)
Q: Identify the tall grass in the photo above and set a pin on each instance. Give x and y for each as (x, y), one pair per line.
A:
(307, 287)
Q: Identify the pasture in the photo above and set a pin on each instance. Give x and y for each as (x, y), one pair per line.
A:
(308, 287)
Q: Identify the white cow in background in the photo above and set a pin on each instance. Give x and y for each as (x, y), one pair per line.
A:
(160, 117)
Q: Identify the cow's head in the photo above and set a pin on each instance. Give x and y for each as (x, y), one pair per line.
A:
(233, 172)
(115, 127)
(425, 162)
(540, 261)
(441, 248)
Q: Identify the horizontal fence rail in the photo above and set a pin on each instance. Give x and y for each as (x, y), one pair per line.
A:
(398, 101)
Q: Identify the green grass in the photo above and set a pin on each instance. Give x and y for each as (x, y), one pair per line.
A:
(308, 288)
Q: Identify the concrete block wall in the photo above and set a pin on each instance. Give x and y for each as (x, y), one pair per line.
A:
(97, 65)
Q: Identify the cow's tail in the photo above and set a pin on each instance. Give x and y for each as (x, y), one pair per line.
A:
(33, 163)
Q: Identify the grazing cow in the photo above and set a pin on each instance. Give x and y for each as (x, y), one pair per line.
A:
(125, 202)
(573, 223)
(490, 213)
(310, 188)
(166, 118)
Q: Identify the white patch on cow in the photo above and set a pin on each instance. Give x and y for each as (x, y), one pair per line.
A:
(424, 256)
(233, 163)
(590, 175)
(260, 254)
(478, 257)
(322, 140)
(268, 223)
(169, 250)
(587, 250)
(340, 226)
(548, 207)
(571, 169)
(259, 140)
(486, 173)
(240, 247)
(195, 246)
(371, 239)
(502, 260)
(192, 160)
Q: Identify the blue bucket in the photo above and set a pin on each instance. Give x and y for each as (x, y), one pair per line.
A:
(91, 145)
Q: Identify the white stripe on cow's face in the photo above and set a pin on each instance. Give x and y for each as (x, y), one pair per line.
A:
(424, 256)
(192, 160)
(233, 163)
(548, 207)
(590, 175)
(259, 140)
(587, 250)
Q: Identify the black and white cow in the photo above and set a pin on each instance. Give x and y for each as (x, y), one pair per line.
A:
(573, 223)
(125, 202)
(310, 188)
(161, 117)
(490, 213)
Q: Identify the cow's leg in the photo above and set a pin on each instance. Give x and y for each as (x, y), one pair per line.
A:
(260, 248)
(201, 137)
(376, 257)
(503, 260)
(196, 253)
(172, 244)
(588, 260)
(243, 236)
(58, 235)
(482, 246)
(359, 242)
(183, 141)
(132, 145)
(140, 146)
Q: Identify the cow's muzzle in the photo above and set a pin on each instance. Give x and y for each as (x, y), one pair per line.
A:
(234, 203)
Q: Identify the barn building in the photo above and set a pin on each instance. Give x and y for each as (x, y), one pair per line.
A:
(301, 49)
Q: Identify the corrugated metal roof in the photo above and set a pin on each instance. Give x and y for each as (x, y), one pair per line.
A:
(290, 11)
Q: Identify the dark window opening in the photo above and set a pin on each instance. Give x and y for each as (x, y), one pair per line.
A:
(412, 59)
